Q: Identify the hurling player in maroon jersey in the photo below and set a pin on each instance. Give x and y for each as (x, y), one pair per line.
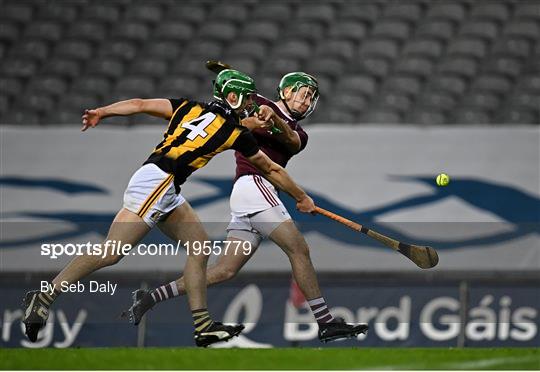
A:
(257, 211)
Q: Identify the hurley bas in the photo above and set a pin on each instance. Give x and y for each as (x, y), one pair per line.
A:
(78, 287)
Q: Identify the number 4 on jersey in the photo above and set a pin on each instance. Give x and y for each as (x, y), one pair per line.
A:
(198, 125)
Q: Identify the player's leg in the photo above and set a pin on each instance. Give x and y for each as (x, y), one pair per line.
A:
(184, 225)
(287, 236)
(127, 228)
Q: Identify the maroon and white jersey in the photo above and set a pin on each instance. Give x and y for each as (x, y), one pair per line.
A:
(268, 143)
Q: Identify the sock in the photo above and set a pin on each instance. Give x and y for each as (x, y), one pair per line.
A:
(47, 298)
(164, 292)
(201, 320)
(320, 310)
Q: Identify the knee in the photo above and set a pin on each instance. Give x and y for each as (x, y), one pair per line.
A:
(227, 272)
(109, 260)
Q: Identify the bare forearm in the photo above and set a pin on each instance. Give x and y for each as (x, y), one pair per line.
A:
(288, 137)
(122, 108)
(280, 178)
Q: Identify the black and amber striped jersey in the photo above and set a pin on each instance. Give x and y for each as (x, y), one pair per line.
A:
(196, 133)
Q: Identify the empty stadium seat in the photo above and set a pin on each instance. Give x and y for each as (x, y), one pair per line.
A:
(19, 116)
(376, 66)
(76, 102)
(193, 66)
(436, 29)
(149, 67)
(359, 84)
(21, 13)
(470, 115)
(527, 9)
(249, 48)
(461, 66)
(451, 84)
(380, 115)
(135, 86)
(329, 66)
(9, 32)
(93, 85)
(46, 30)
(334, 115)
(109, 67)
(270, 11)
(88, 30)
(404, 84)
(148, 13)
(406, 11)
(38, 102)
(190, 13)
(210, 49)
(467, 47)
(280, 66)
(163, 49)
(230, 12)
(36, 49)
(450, 11)
(267, 85)
(495, 83)
(74, 49)
(48, 84)
(391, 29)
(4, 104)
(335, 47)
(316, 12)
(360, 11)
(530, 83)
(107, 13)
(529, 100)
(10, 85)
(420, 67)
(118, 48)
(65, 67)
(482, 100)
(58, 12)
(265, 31)
(386, 48)
(437, 100)
(348, 30)
(512, 47)
(486, 30)
(512, 115)
(508, 66)
(293, 48)
(426, 116)
(526, 29)
(394, 101)
(490, 10)
(426, 48)
(223, 31)
(19, 67)
(135, 31)
(173, 30)
(309, 30)
(178, 86)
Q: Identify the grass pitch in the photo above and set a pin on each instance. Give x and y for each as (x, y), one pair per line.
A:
(260, 359)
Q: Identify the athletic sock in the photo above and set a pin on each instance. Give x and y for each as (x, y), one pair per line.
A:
(164, 292)
(201, 320)
(320, 310)
(48, 298)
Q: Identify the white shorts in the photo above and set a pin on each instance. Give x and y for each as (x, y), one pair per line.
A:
(151, 194)
(256, 209)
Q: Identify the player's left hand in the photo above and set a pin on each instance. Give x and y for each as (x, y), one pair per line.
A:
(90, 119)
(253, 123)
(306, 205)
(265, 113)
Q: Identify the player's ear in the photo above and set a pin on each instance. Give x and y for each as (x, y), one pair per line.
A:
(232, 98)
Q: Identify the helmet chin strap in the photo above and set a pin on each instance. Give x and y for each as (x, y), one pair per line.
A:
(294, 114)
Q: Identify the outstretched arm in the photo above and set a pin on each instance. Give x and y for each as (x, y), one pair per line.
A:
(278, 176)
(156, 107)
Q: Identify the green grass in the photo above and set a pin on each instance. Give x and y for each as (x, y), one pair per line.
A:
(290, 358)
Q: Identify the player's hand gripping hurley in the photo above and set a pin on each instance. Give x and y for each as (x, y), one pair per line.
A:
(423, 256)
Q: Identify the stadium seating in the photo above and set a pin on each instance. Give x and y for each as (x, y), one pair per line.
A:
(418, 61)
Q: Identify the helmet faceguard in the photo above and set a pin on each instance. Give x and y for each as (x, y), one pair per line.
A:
(297, 80)
(228, 81)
